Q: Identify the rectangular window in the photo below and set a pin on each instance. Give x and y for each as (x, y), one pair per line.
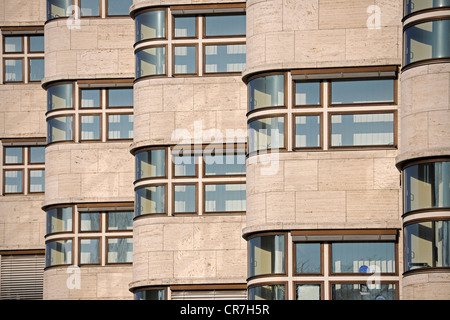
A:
(120, 250)
(90, 8)
(307, 93)
(225, 58)
(90, 127)
(90, 98)
(13, 70)
(225, 25)
(363, 291)
(59, 129)
(266, 134)
(36, 181)
(363, 129)
(118, 7)
(308, 258)
(37, 155)
(36, 44)
(59, 220)
(185, 58)
(13, 181)
(378, 91)
(225, 197)
(12, 44)
(13, 155)
(224, 165)
(184, 165)
(307, 131)
(89, 251)
(36, 72)
(185, 27)
(185, 199)
(58, 8)
(308, 291)
(120, 97)
(120, 126)
(120, 220)
(90, 221)
(58, 252)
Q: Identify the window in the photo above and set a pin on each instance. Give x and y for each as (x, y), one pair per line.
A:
(151, 61)
(266, 255)
(377, 91)
(365, 129)
(118, 7)
(267, 91)
(89, 8)
(185, 58)
(119, 97)
(225, 197)
(120, 250)
(90, 98)
(185, 27)
(412, 6)
(363, 291)
(58, 8)
(308, 258)
(120, 220)
(266, 134)
(224, 165)
(307, 93)
(184, 198)
(267, 292)
(90, 221)
(426, 41)
(150, 200)
(307, 131)
(225, 58)
(89, 251)
(60, 97)
(427, 245)
(23, 167)
(23, 57)
(427, 186)
(58, 252)
(308, 291)
(184, 165)
(225, 25)
(59, 220)
(150, 163)
(90, 127)
(150, 294)
(60, 129)
(151, 25)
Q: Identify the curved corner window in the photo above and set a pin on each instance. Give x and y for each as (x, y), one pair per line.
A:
(151, 62)
(427, 245)
(60, 96)
(60, 129)
(267, 292)
(266, 134)
(150, 294)
(266, 91)
(150, 200)
(266, 255)
(58, 252)
(58, 9)
(151, 25)
(59, 220)
(427, 41)
(427, 186)
(412, 6)
(151, 164)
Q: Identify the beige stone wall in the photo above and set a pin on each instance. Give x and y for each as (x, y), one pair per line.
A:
(22, 12)
(427, 286)
(189, 250)
(88, 283)
(326, 33)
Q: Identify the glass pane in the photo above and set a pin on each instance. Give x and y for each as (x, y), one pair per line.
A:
(225, 197)
(151, 163)
(185, 198)
(150, 25)
(307, 93)
(90, 98)
(120, 250)
(59, 220)
(266, 133)
(185, 165)
(267, 292)
(417, 5)
(266, 255)
(308, 291)
(89, 8)
(356, 291)
(362, 130)
(308, 258)
(222, 165)
(362, 91)
(58, 252)
(89, 251)
(90, 127)
(120, 220)
(13, 181)
(185, 59)
(427, 186)
(307, 131)
(442, 243)
(157, 294)
(151, 61)
(13, 155)
(185, 27)
(225, 25)
(36, 43)
(37, 71)
(225, 58)
(150, 200)
(37, 181)
(59, 129)
(37, 154)
(13, 70)
(122, 97)
(119, 7)
(89, 221)
(13, 44)
(428, 40)
(120, 126)
(58, 8)
(60, 97)
(363, 257)
(266, 92)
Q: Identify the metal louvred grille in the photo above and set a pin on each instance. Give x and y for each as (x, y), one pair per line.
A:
(210, 295)
(22, 277)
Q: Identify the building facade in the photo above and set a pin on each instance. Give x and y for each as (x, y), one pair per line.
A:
(260, 149)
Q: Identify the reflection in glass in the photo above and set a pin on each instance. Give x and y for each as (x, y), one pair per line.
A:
(363, 291)
(90, 127)
(308, 292)
(427, 185)
(362, 129)
(225, 58)
(12, 44)
(119, 7)
(185, 59)
(13, 70)
(151, 163)
(307, 131)
(36, 43)
(151, 25)
(428, 40)
(89, 251)
(150, 200)
(59, 129)
(266, 91)
(224, 165)
(90, 98)
(13, 181)
(307, 93)
(120, 97)
(225, 197)
(151, 61)
(89, 221)
(37, 154)
(184, 165)
(267, 292)
(266, 255)
(225, 25)
(185, 27)
(90, 8)
(59, 96)
(120, 126)
(120, 220)
(266, 133)
(13, 155)
(59, 220)
(417, 5)
(154, 294)
(120, 250)
(362, 91)
(58, 8)
(58, 252)
(307, 258)
(185, 198)
(36, 180)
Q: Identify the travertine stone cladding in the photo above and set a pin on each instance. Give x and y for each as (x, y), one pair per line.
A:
(182, 250)
(172, 111)
(91, 172)
(22, 12)
(324, 190)
(325, 33)
(425, 114)
(426, 286)
(96, 48)
(137, 4)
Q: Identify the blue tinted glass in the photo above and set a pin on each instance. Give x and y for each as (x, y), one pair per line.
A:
(89, 8)
(225, 25)
(185, 198)
(59, 97)
(225, 58)
(307, 131)
(122, 97)
(151, 61)
(13, 44)
(13, 70)
(150, 25)
(13, 155)
(90, 98)
(307, 93)
(59, 129)
(362, 91)
(58, 8)
(185, 60)
(119, 7)
(37, 43)
(185, 27)
(90, 127)
(13, 181)
(307, 257)
(36, 69)
(37, 154)
(37, 181)
(120, 126)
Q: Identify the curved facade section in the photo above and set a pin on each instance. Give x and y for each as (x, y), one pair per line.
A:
(424, 150)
